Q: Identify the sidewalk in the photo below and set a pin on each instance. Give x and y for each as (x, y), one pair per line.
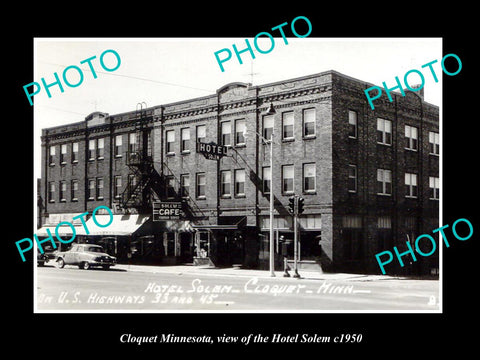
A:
(238, 272)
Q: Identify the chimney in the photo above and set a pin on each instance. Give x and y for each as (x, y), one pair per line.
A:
(419, 92)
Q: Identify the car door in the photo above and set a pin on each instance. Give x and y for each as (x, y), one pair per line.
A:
(70, 255)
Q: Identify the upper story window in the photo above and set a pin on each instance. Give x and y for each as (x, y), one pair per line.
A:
(99, 193)
(287, 179)
(384, 182)
(184, 185)
(132, 143)
(63, 191)
(287, 126)
(266, 179)
(267, 127)
(352, 178)
(100, 148)
(91, 149)
(63, 154)
(240, 182)
(118, 146)
(117, 190)
(74, 190)
(411, 137)
(201, 133)
(384, 131)
(434, 140)
(225, 183)
(411, 185)
(170, 136)
(240, 132)
(226, 132)
(185, 140)
(170, 187)
(51, 155)
(309, 176)
(201, 182)
(51, 192)
(75, 152)
(352, 123)
(434, 183)
(309, 123)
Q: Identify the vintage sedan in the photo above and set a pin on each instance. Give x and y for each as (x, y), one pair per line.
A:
(85, 256)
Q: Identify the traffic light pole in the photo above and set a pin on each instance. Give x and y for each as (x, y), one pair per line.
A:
(295, 239)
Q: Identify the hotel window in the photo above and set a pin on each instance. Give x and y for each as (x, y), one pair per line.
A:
(225, 183)
(51, 192)
(170, 135)
(266, 179)
(226, 130)
(287, 179)
(384, 182)
(100, 148)
(91, 149)
(132, 143)
(170, 191)
(352, 123)
(75, 152)
(309, 175)
(309, 123)
(74, 190)
(384, 131)
(63, 154)
(51, 156)
(240, 132)
(131, 185)
(352, 178)
(411, 185)
(287, 126)
(185, 140)
(201, 181)
(201, 133)
(411, 138)
(434, 188)
(118, 145)
(184, 185)
(63, 191)
(117, 190)
(434, 140)
(267, 127)
(99, 194)
(240, 182)
(91, 189)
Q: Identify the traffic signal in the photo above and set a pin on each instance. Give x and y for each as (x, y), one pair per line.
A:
(301, 202)
(291, 204)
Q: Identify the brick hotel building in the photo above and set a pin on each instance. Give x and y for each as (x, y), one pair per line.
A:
(369, 178)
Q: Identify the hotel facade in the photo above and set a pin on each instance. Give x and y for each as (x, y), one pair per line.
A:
(369, 178)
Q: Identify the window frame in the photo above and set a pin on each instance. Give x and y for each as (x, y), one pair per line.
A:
(411, 143)
(185, 143)
(238, 143)
(284, 118)
(288, 192)
(435, 144)
(304, 189)
(169, 145)
(435, 189)
(314, 121)
(411, 190)
(264, 191)
(223, 184)
(197, 185)
(384, 182)
(355, 125)
(224, 134)
(384, 132)
(236, 191)
(349, 177)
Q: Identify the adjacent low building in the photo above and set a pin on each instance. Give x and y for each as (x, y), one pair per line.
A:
(369, 178)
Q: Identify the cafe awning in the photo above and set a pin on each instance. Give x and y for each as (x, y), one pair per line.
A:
(121, 225)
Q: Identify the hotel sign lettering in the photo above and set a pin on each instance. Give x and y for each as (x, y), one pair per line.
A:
(211, 151)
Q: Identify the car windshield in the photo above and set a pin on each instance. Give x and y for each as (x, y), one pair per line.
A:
(95, 249)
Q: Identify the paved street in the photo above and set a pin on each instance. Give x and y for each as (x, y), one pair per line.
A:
(138, 288)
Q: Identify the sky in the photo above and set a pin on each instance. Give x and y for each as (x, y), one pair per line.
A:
(165, 70)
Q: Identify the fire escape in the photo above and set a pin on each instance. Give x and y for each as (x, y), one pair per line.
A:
(143, 177)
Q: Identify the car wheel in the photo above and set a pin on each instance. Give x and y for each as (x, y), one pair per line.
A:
(86, 265)
(60, 263)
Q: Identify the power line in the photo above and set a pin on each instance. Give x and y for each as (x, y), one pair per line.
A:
(135, 77)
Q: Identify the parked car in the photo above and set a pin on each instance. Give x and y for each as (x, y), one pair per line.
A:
(48, 254)
(85, 256)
